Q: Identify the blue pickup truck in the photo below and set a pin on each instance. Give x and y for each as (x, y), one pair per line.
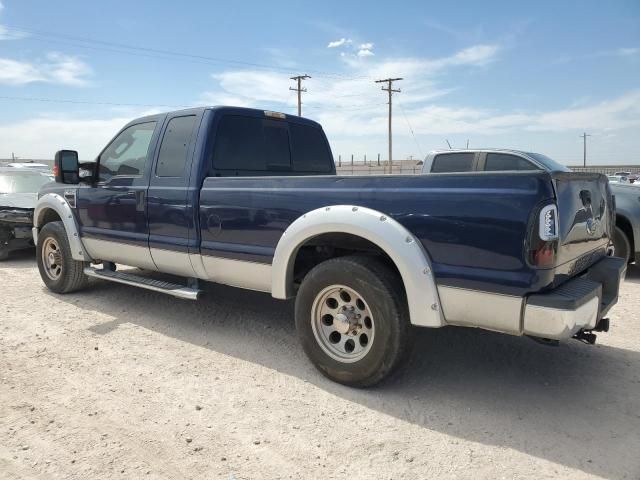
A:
(250, 198)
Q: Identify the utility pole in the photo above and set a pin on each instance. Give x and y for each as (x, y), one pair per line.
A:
(390, 90)
(584, 148)
(299, 89)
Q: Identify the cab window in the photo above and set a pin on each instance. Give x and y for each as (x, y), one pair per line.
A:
(496, 162)
(453, 162)
(128, 152)
(175, 147)
(250, 145)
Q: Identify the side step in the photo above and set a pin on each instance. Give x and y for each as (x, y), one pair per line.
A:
(173, 289)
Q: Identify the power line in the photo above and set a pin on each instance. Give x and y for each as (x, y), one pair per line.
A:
(157, 53)
(151, 105)
(412, 133)
(87, 102)
(390, 90)
(354, 106)
(299, 89)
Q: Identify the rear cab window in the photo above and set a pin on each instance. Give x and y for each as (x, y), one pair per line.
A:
(246, 145)
(453, 162)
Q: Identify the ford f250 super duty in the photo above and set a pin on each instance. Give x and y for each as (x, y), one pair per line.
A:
(250, 198)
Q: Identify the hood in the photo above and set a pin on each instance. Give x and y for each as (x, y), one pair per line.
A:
(18, 200)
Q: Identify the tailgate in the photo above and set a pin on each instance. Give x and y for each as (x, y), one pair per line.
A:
(585, 219)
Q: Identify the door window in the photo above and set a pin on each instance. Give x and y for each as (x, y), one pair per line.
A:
(497, 162)
(175, 146)
(127, 154)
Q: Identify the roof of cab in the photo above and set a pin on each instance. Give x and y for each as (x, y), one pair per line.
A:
(230, 110)
(473, 150)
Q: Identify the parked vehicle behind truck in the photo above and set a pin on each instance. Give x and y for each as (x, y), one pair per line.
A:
(18, 197)
(626, 234)
(250, 198)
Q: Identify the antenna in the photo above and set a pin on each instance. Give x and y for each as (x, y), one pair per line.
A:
(450, 147)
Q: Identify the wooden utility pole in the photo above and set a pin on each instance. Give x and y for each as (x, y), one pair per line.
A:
(584, 148)
(390, 90)
(299, 89)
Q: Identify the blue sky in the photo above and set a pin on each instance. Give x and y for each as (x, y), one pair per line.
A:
(499, 74)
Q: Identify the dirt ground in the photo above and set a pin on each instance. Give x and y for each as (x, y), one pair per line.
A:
(117, 382)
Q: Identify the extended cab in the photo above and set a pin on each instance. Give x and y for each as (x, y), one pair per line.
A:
(250, 198)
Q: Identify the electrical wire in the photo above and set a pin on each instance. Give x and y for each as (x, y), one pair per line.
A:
(157, 53)
(415, 139)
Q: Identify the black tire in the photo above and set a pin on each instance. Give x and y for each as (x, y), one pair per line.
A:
(4, 253)
(71, 277)
(381, 289)
(621, 245)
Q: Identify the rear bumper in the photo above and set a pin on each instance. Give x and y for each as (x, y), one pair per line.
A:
(577, 304)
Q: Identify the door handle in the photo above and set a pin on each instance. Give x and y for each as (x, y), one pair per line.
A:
(139, 200)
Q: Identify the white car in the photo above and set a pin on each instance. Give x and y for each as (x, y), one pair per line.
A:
(30, 165)
(617, 179)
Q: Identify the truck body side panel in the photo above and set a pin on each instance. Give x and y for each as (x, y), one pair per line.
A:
(473, 226)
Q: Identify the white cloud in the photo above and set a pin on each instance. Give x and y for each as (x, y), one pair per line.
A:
(54, 68)
(627, 52)
(66, 69)
(477, 55)
(366, 46)
(339, 43)
(364, 52)
(6, 34)
(13, 72)
(41, 137)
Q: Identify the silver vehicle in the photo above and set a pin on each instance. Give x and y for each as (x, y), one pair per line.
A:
(626, 239)
(618, 179)
(488, 160)
(18, 197)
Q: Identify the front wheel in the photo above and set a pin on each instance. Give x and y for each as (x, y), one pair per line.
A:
(59, 271)
(352, 319)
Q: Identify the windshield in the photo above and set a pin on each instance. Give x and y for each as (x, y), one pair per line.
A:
(22, 183)
(549, 163)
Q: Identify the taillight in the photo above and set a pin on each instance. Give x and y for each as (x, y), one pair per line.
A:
(548, 223)
(544, 245)
(55, 170)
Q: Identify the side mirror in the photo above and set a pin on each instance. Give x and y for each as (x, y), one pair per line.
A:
(66, 167)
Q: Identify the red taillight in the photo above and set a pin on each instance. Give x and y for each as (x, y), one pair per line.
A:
(55, 170)
(544, 255)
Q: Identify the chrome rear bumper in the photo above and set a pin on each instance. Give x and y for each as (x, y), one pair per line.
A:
(577, 304)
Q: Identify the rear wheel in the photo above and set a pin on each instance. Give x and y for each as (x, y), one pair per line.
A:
(352, 319)
(59, 271)
(621, 245)
(4, 253)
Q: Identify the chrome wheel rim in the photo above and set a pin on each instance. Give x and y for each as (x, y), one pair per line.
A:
(52, 258)
(342, 323)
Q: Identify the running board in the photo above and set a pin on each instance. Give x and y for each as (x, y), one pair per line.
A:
(173, 289)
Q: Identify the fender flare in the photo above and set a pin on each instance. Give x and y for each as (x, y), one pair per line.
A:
(408, 254)
(55, 202)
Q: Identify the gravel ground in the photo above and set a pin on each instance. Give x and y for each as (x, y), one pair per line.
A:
(117, 382)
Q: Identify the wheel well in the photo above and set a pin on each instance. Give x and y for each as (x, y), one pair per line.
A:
(50, 215)
(625, 225)
(332, 245)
